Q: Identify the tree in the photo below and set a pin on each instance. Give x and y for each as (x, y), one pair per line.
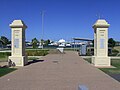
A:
(9, 42)
(34, 42)
(111, 42)
(42, 41)
(4, 40)
(47, 42)
(93, 42)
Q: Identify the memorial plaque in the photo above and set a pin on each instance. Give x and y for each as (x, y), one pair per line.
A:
(16, 43)
(102, 43)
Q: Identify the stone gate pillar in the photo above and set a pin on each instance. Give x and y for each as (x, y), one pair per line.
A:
(100, 57)
(18, 55)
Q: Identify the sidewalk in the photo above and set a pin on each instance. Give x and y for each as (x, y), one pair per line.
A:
(58, 72)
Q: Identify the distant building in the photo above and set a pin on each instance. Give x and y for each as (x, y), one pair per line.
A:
(61, 43)
(117, 43)
(8, 45)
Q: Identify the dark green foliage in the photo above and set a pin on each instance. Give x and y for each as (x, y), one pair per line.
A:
(93, 43)
(116, 63)
(46, 42)
(5, 54)
(4, 71)
(9, 42)
(111, 42)
(42, 41)
(32, 58)
(109, 70)
(34, 42)
(4, 40)
(28, 52)
(37, 52)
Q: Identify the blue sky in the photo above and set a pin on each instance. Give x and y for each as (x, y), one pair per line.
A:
(63, 18)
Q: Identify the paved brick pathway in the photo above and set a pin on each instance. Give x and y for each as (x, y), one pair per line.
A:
(58, 72)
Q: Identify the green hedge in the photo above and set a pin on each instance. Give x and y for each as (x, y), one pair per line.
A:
(5, 54)
(36, 52)
(28, 52)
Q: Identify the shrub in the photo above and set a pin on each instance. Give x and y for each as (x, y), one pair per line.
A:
(36, 52)
(28, 52)
(5, 54)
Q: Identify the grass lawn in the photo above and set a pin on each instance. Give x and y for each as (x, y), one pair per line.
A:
(117, 48)
(88, 59)
(4, 71)
(4, 58)
(114, 62)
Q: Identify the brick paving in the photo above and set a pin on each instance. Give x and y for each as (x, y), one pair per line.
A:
(58, 72)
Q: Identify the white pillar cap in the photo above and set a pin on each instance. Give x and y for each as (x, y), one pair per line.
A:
(18, 24)
(101, 23)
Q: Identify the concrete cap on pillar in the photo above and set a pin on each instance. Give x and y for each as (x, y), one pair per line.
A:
(18, 24)
(101, 23)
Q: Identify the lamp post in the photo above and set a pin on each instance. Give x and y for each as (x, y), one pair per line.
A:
(42, 36)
